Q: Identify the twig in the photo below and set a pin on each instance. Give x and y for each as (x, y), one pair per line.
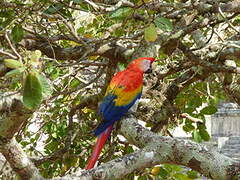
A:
(8, 54)
(12, 47)
(54, 54)
(73, 32)
(213, 67)
(85, 63)
(119, 4)
(95, 6)
(230, 24)
(193, 119)
(101, 71)
(174, 69)
(112, 8)
(89, 63)
(205, 43)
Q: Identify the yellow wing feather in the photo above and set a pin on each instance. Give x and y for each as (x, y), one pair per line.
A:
(123, 97)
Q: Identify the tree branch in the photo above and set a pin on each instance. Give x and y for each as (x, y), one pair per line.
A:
(157, 150)
(213, 67)
(105, 49)
(18, 160)
(12, 115)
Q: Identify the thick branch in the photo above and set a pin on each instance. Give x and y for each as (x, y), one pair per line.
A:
(12, 115)
(18, 160)
(201, 6)
(213, 67)
(172, 150)
(158, 150)
(110, 50)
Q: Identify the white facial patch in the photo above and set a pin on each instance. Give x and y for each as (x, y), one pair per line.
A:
(146, 65)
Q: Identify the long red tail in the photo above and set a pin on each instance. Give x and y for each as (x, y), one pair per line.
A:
(101, 140)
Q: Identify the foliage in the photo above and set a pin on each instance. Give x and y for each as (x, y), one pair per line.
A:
(173, 172)
(50, 51)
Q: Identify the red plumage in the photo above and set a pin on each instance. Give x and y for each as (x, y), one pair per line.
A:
(101, 140)
(123, 91)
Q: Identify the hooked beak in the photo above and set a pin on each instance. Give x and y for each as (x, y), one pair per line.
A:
(149, 70)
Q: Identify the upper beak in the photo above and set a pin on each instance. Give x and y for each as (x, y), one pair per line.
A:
(149, 70)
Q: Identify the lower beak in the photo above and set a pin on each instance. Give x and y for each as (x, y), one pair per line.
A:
(149, 70)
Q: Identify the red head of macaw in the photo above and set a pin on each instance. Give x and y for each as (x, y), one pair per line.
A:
(123, 91)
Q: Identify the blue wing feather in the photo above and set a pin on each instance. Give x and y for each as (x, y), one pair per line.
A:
(112, 113)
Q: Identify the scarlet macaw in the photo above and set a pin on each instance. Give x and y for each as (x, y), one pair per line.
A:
(123, 91)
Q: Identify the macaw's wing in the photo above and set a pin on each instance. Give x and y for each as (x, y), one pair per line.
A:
(122, 93)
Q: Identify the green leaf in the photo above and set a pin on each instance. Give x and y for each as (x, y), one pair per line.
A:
(176, 167)
(7, 22)
(52, 145)
(189, 109)
(142, 178)
(163, 24)
(195, 101)
(168, 167)
(209, 110)
(172, 167)
(37, 136)
(75, 83)
(81, 30)
(121, 13)
(121, 66)
(129, 150)
(188, 127)
(24, 143)
(15, 72)
(13, 64)
(204, 134)
(150, 33)
(180, 176)
(196, 136)
(17, 33)
(6, 13)
(192, 174)
(163, 173)
(32, 92)
(46, 87)
(54, 135)
(201, 126)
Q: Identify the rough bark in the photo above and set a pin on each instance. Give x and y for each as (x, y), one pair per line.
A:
(12, 115)
(157, 150)
(105, 49)
(19, 160)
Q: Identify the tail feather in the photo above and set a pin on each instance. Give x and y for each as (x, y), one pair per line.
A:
(101, 140)
(102, 127)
